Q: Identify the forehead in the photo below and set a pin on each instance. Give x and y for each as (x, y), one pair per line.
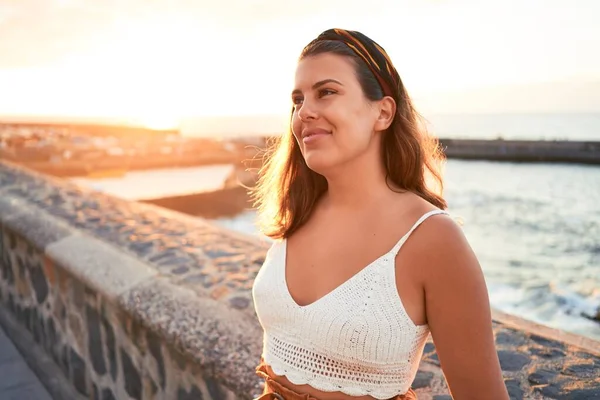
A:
(325, 66)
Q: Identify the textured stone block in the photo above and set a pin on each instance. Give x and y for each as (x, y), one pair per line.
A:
(95, 348)
(194, 394)
(38, 227)
(104, 268)
(512, 361)
(39, 283)
(110, 348)
(133, 382)
(10, 206)
(514, 389)
(215, 337)
(78, 372)
(422, 379)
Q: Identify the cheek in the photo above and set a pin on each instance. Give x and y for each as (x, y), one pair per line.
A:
(355, 132)
(352, 142)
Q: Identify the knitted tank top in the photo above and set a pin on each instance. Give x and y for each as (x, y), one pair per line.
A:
(357, 339)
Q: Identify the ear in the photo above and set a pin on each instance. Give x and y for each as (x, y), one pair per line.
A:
(387, 111)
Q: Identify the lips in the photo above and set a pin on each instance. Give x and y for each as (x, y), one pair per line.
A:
(312, 134)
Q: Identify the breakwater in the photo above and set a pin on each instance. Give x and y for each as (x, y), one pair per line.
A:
(228, 202)
(133, 301)
(584, 152)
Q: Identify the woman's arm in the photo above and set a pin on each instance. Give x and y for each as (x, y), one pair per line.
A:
(458, 313)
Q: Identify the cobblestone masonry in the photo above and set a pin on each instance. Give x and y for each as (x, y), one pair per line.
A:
(182, 326)
(105, 352)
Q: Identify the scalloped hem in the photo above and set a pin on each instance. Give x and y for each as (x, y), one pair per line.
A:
(297, 379)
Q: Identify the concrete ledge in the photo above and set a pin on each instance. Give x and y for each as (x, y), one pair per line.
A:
(219, 339)
(584, 343)
(39, 227)
(99, 265)
(10, 206)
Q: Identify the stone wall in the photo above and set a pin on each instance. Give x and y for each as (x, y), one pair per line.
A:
(137, 302)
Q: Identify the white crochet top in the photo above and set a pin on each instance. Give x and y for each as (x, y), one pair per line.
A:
(357, 339)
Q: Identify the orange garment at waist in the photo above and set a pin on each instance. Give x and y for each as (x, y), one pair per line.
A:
(276, 391)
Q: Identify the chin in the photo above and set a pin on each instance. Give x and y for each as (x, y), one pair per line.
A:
(319, 163)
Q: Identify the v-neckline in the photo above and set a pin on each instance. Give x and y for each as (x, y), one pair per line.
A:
(398, 245)
(331, 292)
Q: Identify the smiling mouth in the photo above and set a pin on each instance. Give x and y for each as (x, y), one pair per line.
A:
(311, 137)
(313, 134)
(316, 132)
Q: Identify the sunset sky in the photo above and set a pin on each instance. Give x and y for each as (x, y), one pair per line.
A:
(158, 61)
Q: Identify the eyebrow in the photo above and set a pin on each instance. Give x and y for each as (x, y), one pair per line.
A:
(319, 84)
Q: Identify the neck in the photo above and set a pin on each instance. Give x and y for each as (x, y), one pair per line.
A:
(356, 185)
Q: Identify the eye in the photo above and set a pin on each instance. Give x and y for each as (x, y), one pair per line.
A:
(325, 92)
(297, 100)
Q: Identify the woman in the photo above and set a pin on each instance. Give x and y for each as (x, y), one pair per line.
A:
(366, 262)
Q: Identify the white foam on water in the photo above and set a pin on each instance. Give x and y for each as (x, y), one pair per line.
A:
(558, 308)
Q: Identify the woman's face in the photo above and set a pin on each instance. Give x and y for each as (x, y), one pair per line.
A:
(333, 122)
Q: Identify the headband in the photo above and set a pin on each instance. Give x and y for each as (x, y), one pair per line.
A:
(373, 54)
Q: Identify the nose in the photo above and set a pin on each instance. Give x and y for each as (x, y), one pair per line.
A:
(307, 112)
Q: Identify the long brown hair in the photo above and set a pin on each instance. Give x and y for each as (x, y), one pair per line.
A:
(287, 189)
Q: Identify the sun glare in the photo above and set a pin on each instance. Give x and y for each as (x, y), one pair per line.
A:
(160, 69)
(149, 72)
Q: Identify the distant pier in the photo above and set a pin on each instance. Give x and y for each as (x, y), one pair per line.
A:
(582, 152)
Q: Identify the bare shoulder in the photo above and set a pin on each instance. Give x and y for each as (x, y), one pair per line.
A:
(438, 244)
(457, 308)
(442, 247)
